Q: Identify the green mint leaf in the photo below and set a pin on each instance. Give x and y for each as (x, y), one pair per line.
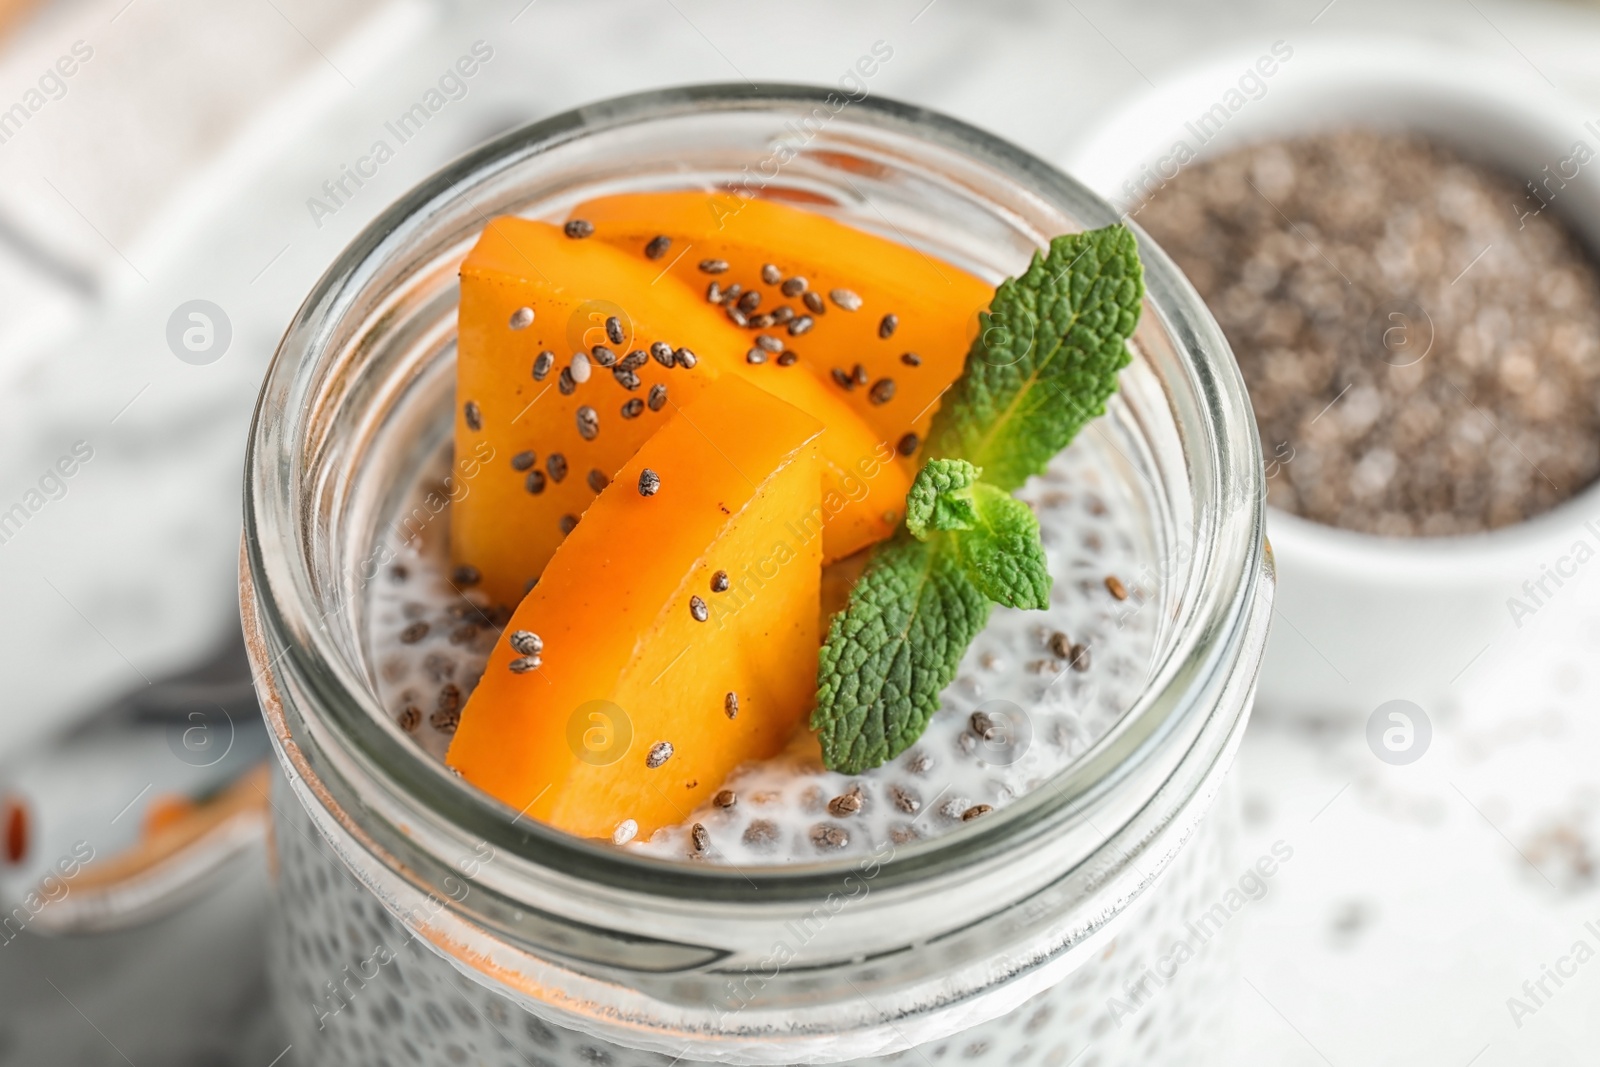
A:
(941, 498)
(1002, 553)
(892, 651)
(1044, 364)
(1047, 357)
(994, 535)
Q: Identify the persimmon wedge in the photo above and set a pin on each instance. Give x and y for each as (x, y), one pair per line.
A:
(676, 632)
(533, 299)
(845, 297)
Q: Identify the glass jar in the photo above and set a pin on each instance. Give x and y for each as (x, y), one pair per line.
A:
(419, 920)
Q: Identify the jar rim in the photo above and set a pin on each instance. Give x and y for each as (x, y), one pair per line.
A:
(295, 653)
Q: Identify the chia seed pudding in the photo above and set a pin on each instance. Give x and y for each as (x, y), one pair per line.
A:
(1010, 889)
(356, 987)
(1033, 692)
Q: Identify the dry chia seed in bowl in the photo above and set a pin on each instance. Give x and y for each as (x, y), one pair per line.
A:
(1420, 336)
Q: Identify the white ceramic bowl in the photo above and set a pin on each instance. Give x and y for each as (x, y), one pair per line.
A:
(1361, 619)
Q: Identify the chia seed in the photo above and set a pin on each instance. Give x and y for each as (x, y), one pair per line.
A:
(886, 326)
(542, 365)
(578, 229)
(657, 247)
(813, 303)
(556, 464)
(1419, 337)
(828, 837)
(908, 445)
(473, 416)
(719, 582)
(844, 805)
(882, 391)
(534, 482)
(597, 480)
(588, 423)
(523, 460)
(658, 397)
(845, 300)
(633, 408)
(414, 632)
(713, 266)
(447, 709)
(698, 609)
(662, 352)
(579, 367)
(730, 705)
(659, 753)
(649, 482)
(522, 318)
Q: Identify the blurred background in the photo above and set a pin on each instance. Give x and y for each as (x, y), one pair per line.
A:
(174, 176)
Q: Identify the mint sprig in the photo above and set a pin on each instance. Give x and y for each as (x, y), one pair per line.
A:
(1042, 366)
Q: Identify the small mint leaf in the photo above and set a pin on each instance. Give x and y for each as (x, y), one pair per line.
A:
(1047, 357)
(892, 651)
(941, 498)
(1002, 553)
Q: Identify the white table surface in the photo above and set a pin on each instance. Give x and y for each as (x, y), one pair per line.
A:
(1419, 898)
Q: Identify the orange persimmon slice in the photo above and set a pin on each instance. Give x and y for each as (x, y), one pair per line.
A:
(905, 318)
(676, 632)
(532, 298)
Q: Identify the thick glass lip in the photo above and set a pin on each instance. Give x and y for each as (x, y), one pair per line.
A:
(1227, 504)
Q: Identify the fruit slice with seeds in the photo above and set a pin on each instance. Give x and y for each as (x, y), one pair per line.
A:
(622, 710)
(562, 373)
(851, 299)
